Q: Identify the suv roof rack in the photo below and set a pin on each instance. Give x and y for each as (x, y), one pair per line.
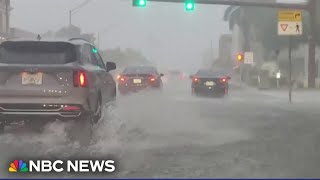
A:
(81, 39)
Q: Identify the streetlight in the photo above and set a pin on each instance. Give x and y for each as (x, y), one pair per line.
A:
(74, 10)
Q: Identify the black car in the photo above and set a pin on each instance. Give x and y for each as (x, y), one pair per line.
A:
(210, 82)
(136, 78)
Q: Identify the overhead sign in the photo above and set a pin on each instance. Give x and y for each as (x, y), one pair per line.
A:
(289, 23)
(248, 58)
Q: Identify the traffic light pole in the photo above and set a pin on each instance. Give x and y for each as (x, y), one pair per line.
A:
(290, 71)
(312, 45)
(310, 7)
(243, 3)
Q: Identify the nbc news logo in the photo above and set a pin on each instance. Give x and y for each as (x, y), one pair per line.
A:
(44, 166)
(18, 166)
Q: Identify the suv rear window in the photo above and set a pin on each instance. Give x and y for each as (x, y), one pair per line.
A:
(31, 52)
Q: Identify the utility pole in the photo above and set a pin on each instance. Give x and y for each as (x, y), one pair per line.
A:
(312, 45)
(74, 10)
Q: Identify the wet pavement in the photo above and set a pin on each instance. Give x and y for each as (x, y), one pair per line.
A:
(248, 134)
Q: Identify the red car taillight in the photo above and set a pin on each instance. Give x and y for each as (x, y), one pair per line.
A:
(80, 79)
(223, 80)
(122, 79)
(152, 79)
(196, 80)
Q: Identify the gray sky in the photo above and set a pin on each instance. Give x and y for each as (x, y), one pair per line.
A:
(164, 32)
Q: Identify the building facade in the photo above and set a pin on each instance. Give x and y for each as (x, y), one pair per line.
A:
(4, 19)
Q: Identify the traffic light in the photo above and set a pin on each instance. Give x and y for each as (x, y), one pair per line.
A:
(95, 50)
(189, 5)
(139, 3)
(240, 57)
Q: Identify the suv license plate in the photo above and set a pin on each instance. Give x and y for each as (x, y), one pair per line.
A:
(28, 78)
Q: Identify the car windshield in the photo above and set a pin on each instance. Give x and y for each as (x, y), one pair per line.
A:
(37, 53)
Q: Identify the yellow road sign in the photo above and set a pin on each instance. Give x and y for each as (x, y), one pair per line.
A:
(290, 15)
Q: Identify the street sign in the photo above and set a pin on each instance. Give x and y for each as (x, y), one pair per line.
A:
(248, 58)
(289, 23)
(290, 15)
(287, 28)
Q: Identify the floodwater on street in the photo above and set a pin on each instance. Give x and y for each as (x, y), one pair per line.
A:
(250, 133)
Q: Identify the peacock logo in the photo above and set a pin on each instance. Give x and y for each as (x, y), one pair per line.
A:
(18, 166)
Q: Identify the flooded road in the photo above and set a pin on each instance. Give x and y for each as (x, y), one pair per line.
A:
(249, 133)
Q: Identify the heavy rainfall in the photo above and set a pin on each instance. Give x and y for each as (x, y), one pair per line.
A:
(165, 88)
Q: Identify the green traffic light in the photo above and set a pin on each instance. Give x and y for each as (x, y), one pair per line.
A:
(140, 3)
(94, 50)
(189, 5)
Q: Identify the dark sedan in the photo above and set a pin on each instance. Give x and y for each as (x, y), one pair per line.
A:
(136, 78)
(210, 82)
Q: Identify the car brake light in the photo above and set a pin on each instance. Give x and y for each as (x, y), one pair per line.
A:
(196, 80)
(71, 108)
(223, 80)
(152, 79)
(80, 79)
(122, 79)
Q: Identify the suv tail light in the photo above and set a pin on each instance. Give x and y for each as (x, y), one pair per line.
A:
(80, 79)
(71, 108)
